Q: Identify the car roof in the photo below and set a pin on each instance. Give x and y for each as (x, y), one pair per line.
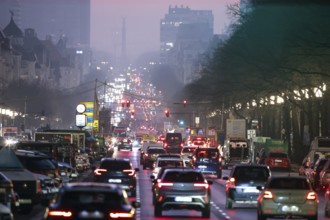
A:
(91, 186)
(31, 153)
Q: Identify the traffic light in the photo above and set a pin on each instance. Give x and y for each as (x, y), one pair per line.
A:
(167, 113)
(128, 103)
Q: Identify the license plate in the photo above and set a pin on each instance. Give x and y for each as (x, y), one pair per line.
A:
(202, 166)
(286, 208)
(114, 180)
(250, 190)
(183, 199)
(278, 161)
(25, 201)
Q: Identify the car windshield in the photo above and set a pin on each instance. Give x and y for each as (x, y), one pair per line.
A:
(208, 153)
(184, 177)
(289, 184)
(115, 165)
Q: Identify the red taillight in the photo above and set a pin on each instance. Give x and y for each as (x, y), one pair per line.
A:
(181, 144)
(60, 213)
(165, 144)
(205, 185)
(129, 172)
(38, 186)
(99, 172)
(268, 195)
(160, 184)
(146, 155)
(311, 196)
(121, 215)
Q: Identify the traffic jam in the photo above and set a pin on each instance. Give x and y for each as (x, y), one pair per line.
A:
(178, 176)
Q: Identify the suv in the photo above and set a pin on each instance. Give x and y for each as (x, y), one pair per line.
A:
(182, 188)
(117, 171)
(241, 184)
(149, 157)
(208, 161)
(173, 142)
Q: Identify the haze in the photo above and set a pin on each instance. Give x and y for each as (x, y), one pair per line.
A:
(142, 22)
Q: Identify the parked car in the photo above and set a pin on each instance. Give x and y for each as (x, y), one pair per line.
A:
(208, 161)
(287, 197)
(91, 201)
(117, 171)
(242, 182)
(183, 189)
(150, 156)
(278, 161)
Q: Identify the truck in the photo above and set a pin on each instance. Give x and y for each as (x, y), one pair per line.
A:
(10, 134)
(236, 146)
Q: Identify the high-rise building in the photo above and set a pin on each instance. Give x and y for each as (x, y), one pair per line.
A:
(69, 19)
(184, 36)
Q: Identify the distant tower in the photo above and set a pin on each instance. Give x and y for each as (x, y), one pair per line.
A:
(123, 44)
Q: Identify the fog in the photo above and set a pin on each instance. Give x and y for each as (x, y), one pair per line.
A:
(142, 23)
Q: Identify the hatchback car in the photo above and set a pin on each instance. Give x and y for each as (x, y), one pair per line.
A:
(182, 188)
(117, 171)
(208, 161)
(287, 197)
(278, 161)
(91, 201)
(150, 156)
(242, 182)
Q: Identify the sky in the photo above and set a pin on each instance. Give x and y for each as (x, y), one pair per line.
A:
(143, 22)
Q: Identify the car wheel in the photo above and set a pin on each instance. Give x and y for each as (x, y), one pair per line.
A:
(206, 213)
(229, 203)
(158, 211)
(313, 218)
(219, 174)
(261, 216)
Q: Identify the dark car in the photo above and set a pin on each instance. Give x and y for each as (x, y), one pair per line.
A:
(208, 161)
(182, 188)
(242, 182)
(278, 161)
(91, 201)
(125, 145)
(173, 142)
(117, 171)
(149, 157)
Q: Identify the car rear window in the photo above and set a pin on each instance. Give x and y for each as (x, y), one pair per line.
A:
(90, 198)
(183, 177)
(251, 173)
(289, 183)
(208, 153)
(278, 155)
(175, 163)
(115, 165)
(156, 151)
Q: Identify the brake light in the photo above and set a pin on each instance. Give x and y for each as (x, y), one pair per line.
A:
(311, 196)
(121, 215)
(205, 185)
(165, 144)
(268, 195)
(181, 144)
(60, 213)
(38, 186)
(160, 184)
(99, 172)
(129, 172)
(146, 155)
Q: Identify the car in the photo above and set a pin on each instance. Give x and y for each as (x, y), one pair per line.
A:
(199, 141)
(91, 200)
(117, 171)
(187, 152)
(320, 168)
(125, 145)
(324, 176)
(278, 161)
(145, 145)
(149, 157)
(287, 197)
(208, 161)
(167, 161)
(173, 142)
(38, 162)
(242, 182)
(182, 188)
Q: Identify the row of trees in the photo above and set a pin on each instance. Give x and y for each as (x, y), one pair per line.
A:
(277, 48)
